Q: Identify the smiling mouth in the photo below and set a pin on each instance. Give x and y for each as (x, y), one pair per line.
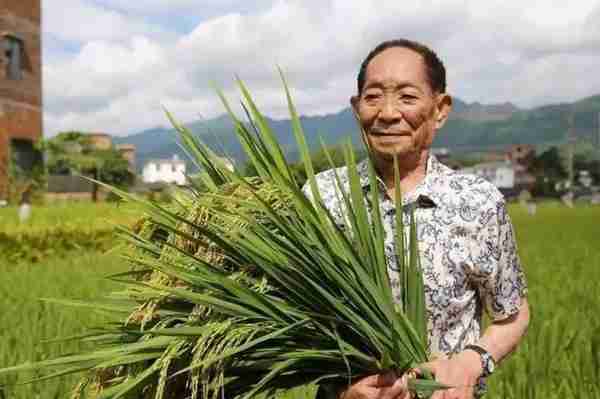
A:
(384, 134)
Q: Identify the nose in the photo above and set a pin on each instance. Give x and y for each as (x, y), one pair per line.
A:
(389, 111)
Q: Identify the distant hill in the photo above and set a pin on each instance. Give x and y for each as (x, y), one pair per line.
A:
(471, 127)
(477, 112)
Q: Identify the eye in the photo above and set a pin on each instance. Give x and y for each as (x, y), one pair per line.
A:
(372, 97)
(408, 98)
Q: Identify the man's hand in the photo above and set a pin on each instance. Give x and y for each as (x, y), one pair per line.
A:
(378, 386)
(461, 371)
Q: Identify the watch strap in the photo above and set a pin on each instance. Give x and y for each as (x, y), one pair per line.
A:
(487, 360)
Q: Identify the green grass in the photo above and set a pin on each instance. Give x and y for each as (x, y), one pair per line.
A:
(59, 229)
(560, 357)
(72, 213)
(25, 322)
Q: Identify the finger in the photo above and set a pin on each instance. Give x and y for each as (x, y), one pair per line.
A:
(375, 380)
(383, 380)
(360, 391)
(453, 393)
(399, 389)
(438, 395)
(406, 395)
(369, 381)
(430, 367)
(366, 392)
(462, 393)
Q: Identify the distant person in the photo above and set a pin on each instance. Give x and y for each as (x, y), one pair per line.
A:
(567, 199)
(466, 241)
(25, 206)
(527, 201)
(531, 207)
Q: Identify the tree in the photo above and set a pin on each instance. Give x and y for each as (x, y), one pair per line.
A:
(582, 162)
(73, 153)
(549, 164)
(548, 168)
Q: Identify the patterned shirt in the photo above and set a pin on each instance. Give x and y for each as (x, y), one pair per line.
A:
(466, 245)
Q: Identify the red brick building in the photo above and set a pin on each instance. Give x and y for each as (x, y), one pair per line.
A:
(20, 85)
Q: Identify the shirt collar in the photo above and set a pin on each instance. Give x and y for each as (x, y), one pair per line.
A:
(425, 194)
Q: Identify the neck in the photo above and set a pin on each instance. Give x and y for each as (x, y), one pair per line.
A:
(412, 172)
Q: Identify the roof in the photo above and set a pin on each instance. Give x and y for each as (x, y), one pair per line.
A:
(493, 164)
(163, 161)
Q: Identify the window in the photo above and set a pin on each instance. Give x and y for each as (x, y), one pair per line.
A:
(25, 156)
(13, 50)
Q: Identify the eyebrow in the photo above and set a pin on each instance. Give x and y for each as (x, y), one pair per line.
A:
(396, 85)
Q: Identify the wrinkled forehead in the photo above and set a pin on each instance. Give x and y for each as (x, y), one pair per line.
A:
(397, 65)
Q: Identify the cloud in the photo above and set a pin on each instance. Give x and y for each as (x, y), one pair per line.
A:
(81, 21)
(123, 72)
(149, 7)
(102, 72)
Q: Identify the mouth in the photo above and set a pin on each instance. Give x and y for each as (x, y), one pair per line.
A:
(382, 133)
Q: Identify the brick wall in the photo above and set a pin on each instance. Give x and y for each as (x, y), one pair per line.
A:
(20, 100)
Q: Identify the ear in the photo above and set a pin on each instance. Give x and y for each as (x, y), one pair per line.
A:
(354, 103)
(443, 108)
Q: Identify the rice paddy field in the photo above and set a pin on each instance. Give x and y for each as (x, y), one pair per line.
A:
(559, 248)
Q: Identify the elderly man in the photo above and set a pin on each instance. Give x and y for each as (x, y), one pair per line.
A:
(465, 237)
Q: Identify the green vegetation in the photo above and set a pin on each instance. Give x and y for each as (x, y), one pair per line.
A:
(72, 152)
(255, 291)
(560, 357)
(56, 230)
(73, 213)
(247, 288)
(320, 160)
(25, 322)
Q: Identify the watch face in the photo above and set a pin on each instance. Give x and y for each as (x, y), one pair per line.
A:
(489, 364)
(487, 361)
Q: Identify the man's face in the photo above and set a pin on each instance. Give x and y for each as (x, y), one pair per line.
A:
(397, 108)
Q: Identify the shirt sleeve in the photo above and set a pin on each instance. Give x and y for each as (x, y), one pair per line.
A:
(307, 191)
(330, 195)
(500, 279)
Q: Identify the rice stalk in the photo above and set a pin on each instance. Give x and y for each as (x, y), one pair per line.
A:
(252, 288)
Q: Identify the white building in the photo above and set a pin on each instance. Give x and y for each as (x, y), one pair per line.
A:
(500, 174)
(585, 178)
(164, 171)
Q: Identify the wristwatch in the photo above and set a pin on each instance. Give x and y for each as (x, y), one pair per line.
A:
(488, 364)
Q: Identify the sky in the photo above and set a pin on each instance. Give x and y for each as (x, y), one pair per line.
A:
(114, 65)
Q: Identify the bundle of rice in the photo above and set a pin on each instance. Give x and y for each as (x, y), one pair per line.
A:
(243, 286)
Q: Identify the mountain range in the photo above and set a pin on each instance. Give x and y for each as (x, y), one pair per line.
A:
(471, 127)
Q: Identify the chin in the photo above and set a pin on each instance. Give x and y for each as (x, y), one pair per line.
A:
(401, 153)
